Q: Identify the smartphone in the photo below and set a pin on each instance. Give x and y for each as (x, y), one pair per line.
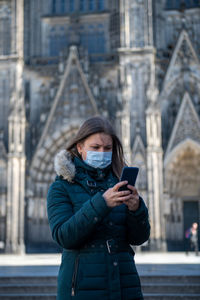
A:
(129, 174)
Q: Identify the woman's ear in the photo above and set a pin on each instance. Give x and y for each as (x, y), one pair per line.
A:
(79, 148)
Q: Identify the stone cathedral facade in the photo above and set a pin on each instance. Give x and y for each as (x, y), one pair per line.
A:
(135, 62)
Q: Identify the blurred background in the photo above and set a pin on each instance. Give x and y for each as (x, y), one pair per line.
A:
(135, 62)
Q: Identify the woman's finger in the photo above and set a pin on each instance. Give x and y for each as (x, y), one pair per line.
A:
(123, 193)
(119, 184)
(124, 198)
(132, 188)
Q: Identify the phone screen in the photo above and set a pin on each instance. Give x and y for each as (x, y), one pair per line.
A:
(129, 174)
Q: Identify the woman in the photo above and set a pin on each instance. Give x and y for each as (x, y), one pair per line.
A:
(92, 221)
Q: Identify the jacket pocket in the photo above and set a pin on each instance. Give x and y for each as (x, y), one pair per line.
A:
(74, 276)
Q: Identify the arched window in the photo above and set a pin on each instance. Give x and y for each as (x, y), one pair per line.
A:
(57, 41)
(91, 5)
(93, 41)
(5, 38)
(63, 5)
(178, 4)
(100, 43)
(83, 5)
(59, 6)
(71, 5)
(54, 6)
(100, 4)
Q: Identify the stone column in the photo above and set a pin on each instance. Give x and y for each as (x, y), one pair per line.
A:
(15, 204)
(137, 65)
(16, 148)
(125, 115)
(135, 21)
(155, 177)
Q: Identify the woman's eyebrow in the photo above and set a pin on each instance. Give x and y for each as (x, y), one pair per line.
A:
(96, 144)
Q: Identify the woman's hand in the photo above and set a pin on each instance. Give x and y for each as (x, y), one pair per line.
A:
(113, 197)
(134, 201)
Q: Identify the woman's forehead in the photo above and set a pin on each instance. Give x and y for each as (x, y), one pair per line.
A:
(99, 138)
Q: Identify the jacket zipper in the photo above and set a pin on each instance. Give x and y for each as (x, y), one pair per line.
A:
(74, 276)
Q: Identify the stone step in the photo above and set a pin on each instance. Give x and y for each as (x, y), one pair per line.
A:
(27, 288)
(144, 279)
(170, 279)
(28, 279)
(28, 296)
(51, 288)
(154, 287)
(171, 288)
(171, 297)
(53, 296)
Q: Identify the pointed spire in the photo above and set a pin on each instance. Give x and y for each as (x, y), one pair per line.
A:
(138, 146)
(183, 57)
(187, 124)
(73, 100)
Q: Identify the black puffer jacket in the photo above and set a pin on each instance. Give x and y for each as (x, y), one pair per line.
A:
(97, 260)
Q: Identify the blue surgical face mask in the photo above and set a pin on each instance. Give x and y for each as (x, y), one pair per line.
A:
(97, 159)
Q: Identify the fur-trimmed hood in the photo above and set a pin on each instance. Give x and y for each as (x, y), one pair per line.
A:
(64, 166)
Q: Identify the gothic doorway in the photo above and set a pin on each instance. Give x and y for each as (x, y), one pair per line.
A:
(42, 174)
(182, 177)
(191, 215)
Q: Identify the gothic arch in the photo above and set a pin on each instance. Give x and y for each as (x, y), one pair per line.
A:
(172, 100)
(42, 168)
(188, 78)
(184, 58)
(42, 174)
(182, 177)
(182, 170)
(139, 160)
